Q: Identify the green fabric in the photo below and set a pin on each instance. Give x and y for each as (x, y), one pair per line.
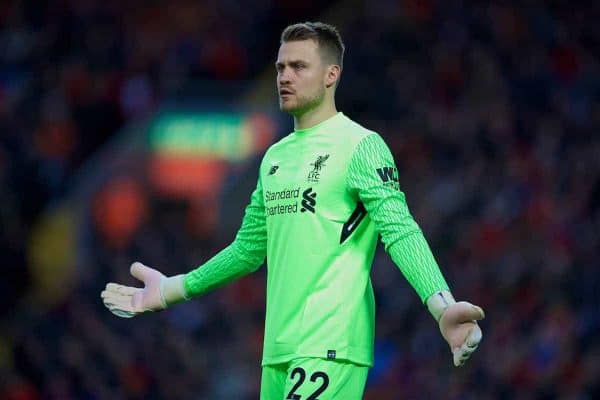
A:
(387, 207)
(313, 188)
(305, 377)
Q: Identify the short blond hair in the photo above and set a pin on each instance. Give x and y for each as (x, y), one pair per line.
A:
(326, 36)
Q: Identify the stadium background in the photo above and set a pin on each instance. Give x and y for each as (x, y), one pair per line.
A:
(491, 109)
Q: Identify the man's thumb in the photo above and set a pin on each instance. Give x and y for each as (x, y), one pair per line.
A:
(468, 312)
(473, 312)
(140, 271)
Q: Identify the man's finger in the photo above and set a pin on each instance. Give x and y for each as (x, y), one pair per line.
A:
(478, 313)
(474, 337)
(122, 289)
(121, 302)
(106, 295)
(139, 271)
(120, 306)
(122, 313)
(460, 357)
(459, 361)
(463, 353)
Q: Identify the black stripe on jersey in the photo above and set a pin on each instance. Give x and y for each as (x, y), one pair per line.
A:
(350, 226)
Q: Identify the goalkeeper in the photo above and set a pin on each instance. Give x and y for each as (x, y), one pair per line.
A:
(324, 194)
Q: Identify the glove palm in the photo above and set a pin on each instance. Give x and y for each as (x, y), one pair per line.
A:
(126, 301)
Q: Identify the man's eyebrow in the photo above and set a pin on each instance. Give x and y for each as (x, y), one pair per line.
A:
(291, 62)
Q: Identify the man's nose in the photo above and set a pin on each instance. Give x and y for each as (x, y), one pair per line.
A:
(284, 77)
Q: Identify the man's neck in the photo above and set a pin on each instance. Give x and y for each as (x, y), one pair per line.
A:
(314, 117)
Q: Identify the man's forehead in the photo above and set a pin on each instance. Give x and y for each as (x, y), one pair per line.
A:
(298, 50)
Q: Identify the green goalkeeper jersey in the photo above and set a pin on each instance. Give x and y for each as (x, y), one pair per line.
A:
(323, 196)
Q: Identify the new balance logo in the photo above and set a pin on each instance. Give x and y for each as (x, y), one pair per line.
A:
(273, 169)
(308, 201)
(388, 173)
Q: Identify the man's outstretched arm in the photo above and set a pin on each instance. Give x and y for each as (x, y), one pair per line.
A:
(373, 177)
(243, 256)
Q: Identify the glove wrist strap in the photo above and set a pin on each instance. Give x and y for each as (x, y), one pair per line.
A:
(172, 290)
(438, 302)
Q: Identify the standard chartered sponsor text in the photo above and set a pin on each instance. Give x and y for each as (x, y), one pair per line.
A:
(282, 194)
(290, 207)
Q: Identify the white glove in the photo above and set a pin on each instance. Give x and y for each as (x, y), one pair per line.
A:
(158, 293)
(458, 324)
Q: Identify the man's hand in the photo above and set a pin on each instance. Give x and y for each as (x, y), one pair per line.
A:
(127, 301)
(458, 325)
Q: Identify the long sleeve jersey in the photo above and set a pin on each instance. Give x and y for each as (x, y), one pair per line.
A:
(323, 197)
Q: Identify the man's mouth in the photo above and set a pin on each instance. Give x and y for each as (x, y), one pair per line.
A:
(284, 92)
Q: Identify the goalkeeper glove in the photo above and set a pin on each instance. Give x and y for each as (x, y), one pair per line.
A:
(158, 293)
(458, 324)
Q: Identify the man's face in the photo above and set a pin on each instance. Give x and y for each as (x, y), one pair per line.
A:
(300, 77)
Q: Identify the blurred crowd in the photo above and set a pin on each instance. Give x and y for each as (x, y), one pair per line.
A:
(73, 72)
(492, 112)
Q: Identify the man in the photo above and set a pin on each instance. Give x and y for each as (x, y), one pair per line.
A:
(324, 193)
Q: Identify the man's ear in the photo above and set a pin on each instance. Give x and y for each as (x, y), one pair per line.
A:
(332, 76)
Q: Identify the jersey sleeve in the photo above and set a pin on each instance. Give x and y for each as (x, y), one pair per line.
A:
(244, 255)
(373, 178)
